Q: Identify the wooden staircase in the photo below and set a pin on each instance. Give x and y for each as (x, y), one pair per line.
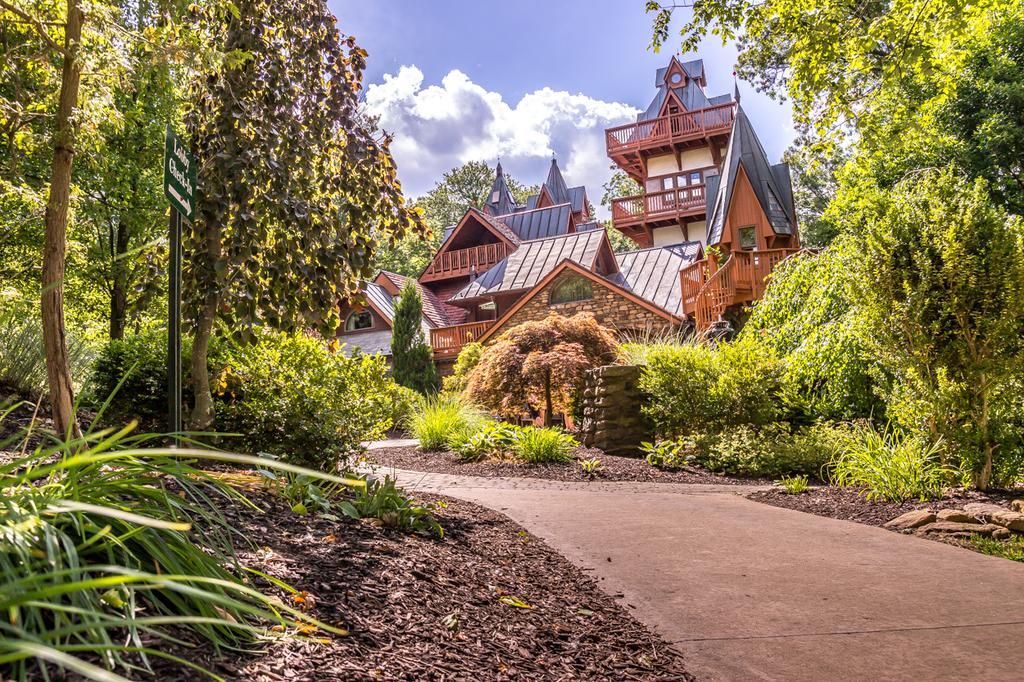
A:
(709, 289)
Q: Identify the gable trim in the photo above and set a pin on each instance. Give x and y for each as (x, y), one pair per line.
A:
(567, 264)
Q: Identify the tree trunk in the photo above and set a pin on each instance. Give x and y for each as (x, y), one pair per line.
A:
(202, 413)
(58, 371)
(983, 477)
(119, 289)
(548, 409)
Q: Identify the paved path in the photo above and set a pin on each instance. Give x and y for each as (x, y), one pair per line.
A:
(753, 592)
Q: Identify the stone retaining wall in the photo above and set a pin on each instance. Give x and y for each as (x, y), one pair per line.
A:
(611, 404)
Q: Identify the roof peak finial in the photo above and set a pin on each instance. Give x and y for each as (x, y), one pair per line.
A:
(736, 87)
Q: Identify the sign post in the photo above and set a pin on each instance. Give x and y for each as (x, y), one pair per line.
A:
(180, 190)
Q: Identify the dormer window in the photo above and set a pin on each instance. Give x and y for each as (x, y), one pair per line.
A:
(495, 196)
(360, 319)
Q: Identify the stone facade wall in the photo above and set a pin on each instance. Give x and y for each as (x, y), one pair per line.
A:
(611, 404)
(608, 307)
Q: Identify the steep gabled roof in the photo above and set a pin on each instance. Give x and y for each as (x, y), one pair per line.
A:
(745, 150)
(499, 201)
(568, 264)
(528, 264)
(577, 198)
(539, 223)
(555, 184)
(653, 274)
(690, 94)
(378, 298)
(433, 308)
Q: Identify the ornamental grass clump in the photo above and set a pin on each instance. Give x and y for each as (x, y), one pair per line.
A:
(104, 545)
(540, 446)
(444, 422)
(890, 465)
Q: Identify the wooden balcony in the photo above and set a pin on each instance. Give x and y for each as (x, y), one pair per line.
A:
(448, 341)
(626, 143)
(666, 206)
(461, 262)
(708, 290)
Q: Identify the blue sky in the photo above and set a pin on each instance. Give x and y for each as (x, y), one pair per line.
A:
(460, 80)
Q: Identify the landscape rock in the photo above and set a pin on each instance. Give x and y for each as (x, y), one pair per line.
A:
(1002, 534)
(1017, 506)
(965, 530)
(956, 516)
(1008, 519)
(912, 519)
(983, 510)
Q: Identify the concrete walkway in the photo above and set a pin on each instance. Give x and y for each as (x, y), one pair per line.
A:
(753, 592)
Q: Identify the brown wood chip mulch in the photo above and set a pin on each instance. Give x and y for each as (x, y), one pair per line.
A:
(419, 608)
(849, 504)
(613, 468)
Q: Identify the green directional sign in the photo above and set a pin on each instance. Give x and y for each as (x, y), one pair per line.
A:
(179, 175)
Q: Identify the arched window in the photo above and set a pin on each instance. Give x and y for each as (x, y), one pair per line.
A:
(572, 289)
(360, 319)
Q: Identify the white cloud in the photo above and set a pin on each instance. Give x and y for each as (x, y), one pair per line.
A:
(438, 127)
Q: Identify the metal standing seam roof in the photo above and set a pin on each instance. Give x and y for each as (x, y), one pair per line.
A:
(532, 261)
(653, 274)
(381, 300)
(745, 149)
(539, 223)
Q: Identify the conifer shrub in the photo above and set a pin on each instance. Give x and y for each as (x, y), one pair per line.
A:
(412, 360)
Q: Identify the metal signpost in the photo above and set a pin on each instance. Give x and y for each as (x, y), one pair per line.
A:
(180, 189)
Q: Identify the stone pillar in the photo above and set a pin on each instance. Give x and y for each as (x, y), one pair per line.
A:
(612, 420)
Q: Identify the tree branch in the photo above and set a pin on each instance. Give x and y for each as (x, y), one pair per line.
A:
(36, 24)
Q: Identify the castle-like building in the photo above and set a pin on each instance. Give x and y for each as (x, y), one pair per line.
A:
(706, 182)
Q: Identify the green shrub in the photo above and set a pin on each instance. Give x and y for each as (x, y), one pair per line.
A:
(890, 465)
(290, 396)
(538, 446)
(494, 439)
(141, 362)
(404, 405)
(590, 466)
(468, 359)
(106, 549)
(444, 422)
(698, 387)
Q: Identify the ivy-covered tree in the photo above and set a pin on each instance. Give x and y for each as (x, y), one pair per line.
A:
(412, 361)
(539, 365)
(297, 189)
(941, 283)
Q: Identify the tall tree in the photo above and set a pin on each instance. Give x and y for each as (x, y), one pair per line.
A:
(814, 168)
(618, 186)
(297, 190)
(412, 362)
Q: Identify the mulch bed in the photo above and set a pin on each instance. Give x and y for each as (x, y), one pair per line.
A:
(613, 468)
(419, 608)
(849, 505)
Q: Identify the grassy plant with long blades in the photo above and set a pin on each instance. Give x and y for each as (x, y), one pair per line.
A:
(110, 554)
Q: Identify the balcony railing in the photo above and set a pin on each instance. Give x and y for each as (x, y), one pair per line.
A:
(666, 130)
(666, 204)
(448, 341)
(464, 261)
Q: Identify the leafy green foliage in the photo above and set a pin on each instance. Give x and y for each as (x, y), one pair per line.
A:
(941, 283)
(22, 365)
(382, 500)
(694, 386)
(539, 365)
(808, 316)
(412, 361)
(669, 454)
(813, 168)
(494, 439)
(590, 466)
(298, 189)
(794, 485)
(1012, 549)
(468, 358)
(444, 422)
(290, 396)
(106, 543)
(890, 465)
(540, 446)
